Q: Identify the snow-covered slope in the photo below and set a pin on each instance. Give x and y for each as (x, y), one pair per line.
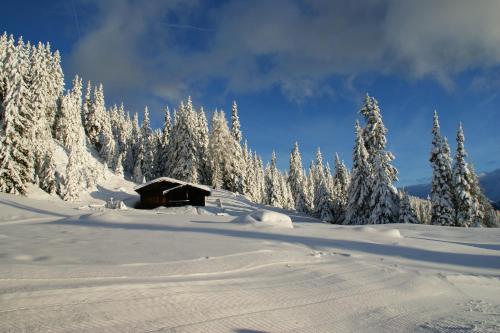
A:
(108, 185)
(82, 268)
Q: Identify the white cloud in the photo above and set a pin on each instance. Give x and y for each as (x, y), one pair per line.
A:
(134, 45)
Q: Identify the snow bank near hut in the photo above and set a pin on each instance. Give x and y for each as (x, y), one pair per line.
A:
(267, 218)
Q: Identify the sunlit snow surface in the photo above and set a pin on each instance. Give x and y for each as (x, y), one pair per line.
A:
(82, 268)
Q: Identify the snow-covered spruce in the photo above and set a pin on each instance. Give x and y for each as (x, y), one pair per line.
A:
(383, 195)
(443, 212)
(341, 180)
(16, 159)
(406, 212)
(358, 205)
(296, 179)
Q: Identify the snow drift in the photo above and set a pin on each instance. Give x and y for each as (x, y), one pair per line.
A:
(266, 218)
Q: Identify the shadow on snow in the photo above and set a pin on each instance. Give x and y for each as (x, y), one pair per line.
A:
(437, 257)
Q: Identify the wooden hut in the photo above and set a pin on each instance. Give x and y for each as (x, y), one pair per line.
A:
(171, 192)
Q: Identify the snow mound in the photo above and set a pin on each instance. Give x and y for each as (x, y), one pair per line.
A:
(267, 218)
(183, 210)
(393, 233)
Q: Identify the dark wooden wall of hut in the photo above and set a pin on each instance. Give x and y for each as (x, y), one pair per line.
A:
(153, 196)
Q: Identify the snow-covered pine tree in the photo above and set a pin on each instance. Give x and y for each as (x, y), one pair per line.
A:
(443, 212)
(56, 83)
(183, 163)
(148, 146)
(374, 132)
(119, 165)
(272, 183)
(157, 141)
(68, 124)
(124, 130)
(114, 118)
(235, 123)
(256, 175)
(422, 209)
(467, 206)
(323, 206)
(341, 186)
(137, 176)
(319, 183)
(406, 212)
(358, 205)
(202, 134)
(134, 147)
(261, 179)
(286, 192)
(217, 147)
(16, 161)
(226, 156)
(296, 179)
(107, 144)
(247, 171)
(163, 149)
(3, 48)
(485, 215)
(384, 206)
(39, 87)
(94, 121)
(329, 179)
(309, 189)
(47, 177)
(384, 197)
(86, 109)
(70, 179)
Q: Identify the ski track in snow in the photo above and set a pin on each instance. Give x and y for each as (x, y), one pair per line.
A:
(140, 271)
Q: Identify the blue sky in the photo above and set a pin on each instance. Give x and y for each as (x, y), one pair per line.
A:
(297, 69)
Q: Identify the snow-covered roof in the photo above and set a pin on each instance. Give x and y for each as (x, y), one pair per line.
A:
(172, 180)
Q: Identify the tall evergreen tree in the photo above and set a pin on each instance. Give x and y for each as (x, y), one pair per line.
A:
(48, 181)
(406, 212)
(135, 150)
(56, 83)
(163, 148)
(202, 137)
(148, 147)
(340, 187)
(86, 109)
(94, 121)
(384, 198)
(296, 179)
(235, 123)
(309, 189)
(466, 203)
(485, 215)
(39, 87)
(16, 162)
(319, 183)
(286, 192)
(323, 205)
(183, 153)
(273, 186)
(358, 205)
(68, 123)
(443, 212)
(3, 77)
(70, 180)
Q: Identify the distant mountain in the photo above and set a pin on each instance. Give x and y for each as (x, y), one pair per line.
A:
(490, 182)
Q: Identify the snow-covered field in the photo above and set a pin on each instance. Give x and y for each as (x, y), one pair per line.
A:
(82, 268)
